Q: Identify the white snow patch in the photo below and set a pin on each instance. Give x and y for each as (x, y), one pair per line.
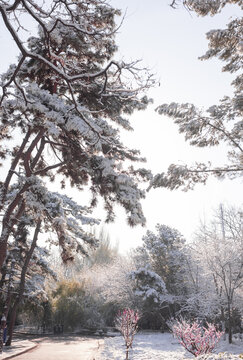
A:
(158, 346)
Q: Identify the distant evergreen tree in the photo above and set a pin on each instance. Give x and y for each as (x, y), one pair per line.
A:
(161, 275)
(165, 252)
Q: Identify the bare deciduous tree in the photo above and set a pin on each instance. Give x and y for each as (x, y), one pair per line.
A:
(220, 247)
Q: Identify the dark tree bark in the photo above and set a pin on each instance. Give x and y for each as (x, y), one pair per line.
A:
(6, 308)
(22, 284)
(230, 322)
(12, 215)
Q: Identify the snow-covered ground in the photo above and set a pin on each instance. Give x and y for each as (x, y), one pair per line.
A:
(158, 346)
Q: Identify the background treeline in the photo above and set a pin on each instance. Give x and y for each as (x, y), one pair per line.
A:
(164, 278)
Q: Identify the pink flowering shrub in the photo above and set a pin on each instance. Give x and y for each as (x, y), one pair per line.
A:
(126, 322)
(196, 339)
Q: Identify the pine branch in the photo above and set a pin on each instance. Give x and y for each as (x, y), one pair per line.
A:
(12, 78)
(48, 168)
(14, 6)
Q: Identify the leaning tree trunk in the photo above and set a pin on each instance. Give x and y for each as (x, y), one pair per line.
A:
(22, 283)
(12, 215)
(14, 164)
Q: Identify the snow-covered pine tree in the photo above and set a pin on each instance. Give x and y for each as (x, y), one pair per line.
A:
(161, 274)
(219, 124)
(64, 102)
(149, 287)
(166, 255)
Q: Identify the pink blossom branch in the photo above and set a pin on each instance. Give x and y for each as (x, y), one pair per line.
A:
(196, 339)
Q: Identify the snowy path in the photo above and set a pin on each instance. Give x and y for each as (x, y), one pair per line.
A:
(152, 346)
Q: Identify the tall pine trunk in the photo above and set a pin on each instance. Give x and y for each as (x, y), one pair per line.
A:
(16, 208)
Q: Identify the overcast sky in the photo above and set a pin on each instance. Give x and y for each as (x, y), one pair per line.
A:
(169, 42)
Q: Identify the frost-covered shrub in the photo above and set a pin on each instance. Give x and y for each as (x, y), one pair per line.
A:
(126, 322)
(75, 307)
(196, 339)
(68, 304)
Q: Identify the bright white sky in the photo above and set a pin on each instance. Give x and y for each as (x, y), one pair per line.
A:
(169, 42)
